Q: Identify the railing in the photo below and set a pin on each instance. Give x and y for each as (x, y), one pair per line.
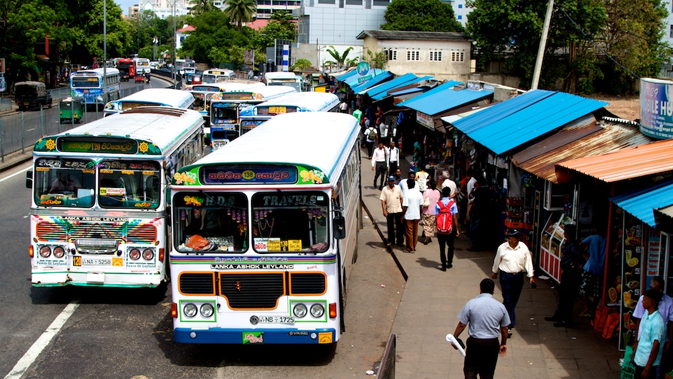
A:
(387, 367)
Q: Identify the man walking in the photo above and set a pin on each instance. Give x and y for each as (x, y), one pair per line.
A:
(648, 346)
(393, 157)
(380, 164)
(371, 135)
(487, 319)
(570, 278)
(411, 207)
(391, 202)
(447, 209)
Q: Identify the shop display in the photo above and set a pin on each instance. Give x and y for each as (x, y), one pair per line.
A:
(630, 282)
(550, 244)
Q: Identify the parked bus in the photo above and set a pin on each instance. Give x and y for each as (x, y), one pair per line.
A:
(224, 112)
(96, 86)
(217, 76)
(98, 204)
(265, 234)
(284, 79)
(161, 97)
(185, 66)
(142, 66)
(127, 69)
(295, 102)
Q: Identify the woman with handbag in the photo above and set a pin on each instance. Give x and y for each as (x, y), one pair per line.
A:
(430, 198)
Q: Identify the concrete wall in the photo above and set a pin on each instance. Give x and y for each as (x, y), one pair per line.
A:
(318, 55)
(331, 25)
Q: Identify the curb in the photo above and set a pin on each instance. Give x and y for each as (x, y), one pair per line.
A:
(383, 239)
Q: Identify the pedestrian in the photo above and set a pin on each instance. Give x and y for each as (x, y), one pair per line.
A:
(570, 278)
(343, 106)
(430, 198)
(512, 260)
(480, 217)
(370, 137)
(592, 276)
(391, 202)
(403, 184)
(446, 236)
(486, 319)
(447, 182)
(393, 157)
(648, 347)
(411, 208)
(398, 176)
(422, 180)
(417, 154)
(379, 164)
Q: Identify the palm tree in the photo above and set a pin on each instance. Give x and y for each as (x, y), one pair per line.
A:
(200, 6)
(339, 58)
(240, 11)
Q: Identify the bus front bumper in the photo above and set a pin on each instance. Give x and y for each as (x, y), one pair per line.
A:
(256, 336)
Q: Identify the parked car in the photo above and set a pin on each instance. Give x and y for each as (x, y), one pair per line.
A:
(31, 95)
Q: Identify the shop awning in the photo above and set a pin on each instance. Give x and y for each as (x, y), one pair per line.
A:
(345, 75)
(398, 81)
(380, 78)
(440, 101)
(580, 139)
(642, 203)
(352, 81)
(663, 217)
(629, 163)
(391, 90)
(438, 89)
(509, 124)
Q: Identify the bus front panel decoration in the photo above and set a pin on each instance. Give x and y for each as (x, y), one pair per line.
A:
(264, 235)
(98, 207)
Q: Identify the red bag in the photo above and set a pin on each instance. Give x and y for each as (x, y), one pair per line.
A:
(445, 218)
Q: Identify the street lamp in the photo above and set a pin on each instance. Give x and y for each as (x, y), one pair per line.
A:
(175, 39)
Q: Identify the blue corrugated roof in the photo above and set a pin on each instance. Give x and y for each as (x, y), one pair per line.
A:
(379, 78)
(516, 121)
(391, 84)
(383, 93)
(352, 81)
(342, 77)
(440, 88)
(642, 203)
(407, 91)
(443, 100)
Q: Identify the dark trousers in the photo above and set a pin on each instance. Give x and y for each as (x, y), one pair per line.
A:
(639, 372)
(511, 286)
(481, 358)
(395, 228)
(380, 171)
(370, 148)
(568, 291)
(446, 240)
(393, 167)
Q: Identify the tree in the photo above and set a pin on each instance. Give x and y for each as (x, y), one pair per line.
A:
(375, 59)
(301, 64)
(200, 6)
(280, 26)
(421, 15)
(240, 11)
(339, 58)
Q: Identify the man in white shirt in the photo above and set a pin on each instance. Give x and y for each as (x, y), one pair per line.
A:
(393, 157)
(343, 107)
(449, 183)
(379, 163)
(411, 208)
(403, 183)
(371, 135)
(391, 203)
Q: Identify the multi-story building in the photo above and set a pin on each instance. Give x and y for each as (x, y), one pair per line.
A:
(266, 7)
(459, 9)
(162, 8)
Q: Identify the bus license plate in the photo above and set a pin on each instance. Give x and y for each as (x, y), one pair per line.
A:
(277, 110)
(95, 261)
(276, 320)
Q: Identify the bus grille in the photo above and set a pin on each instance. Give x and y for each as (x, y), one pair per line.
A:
(142, 233)
(252, 291)
(307, 284)
(49, 232)
(96, 230)
(197, 283)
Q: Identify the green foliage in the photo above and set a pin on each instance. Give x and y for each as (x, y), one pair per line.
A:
(301, 65)
(201, 6)
(421, 15)
(376, 60)
(280, 26)
(339, 58)
(240, 11)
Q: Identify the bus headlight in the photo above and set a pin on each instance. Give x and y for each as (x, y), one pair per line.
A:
(190, 310)
(300, 310)
(148, 254)
(134, 254)
(45, 251)
(207, 310)
(59, 252)
(317, 310)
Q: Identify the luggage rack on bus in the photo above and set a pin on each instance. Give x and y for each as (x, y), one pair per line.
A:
(169, 111)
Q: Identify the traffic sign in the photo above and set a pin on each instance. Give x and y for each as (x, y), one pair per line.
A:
(363, 68)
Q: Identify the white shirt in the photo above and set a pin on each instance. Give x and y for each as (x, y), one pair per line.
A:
(369, 129)
(451, 184)
(470, 187)
(378, 156)
(394, 154)
(405, 188)
(343, 106)
(514, 260)
(422, 180)
(413, 201)
(384, 130)
(665, 309)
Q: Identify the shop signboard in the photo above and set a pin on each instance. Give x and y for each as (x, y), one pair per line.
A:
(653, 259)
(656, 108)
(425, 120)
(550, 244)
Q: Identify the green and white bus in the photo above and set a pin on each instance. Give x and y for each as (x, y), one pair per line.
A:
(265, 234)
(98, 205)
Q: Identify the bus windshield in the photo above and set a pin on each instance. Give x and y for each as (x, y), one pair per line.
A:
(210, 222)
(133, 185)
(85, 82)
(223, 114)
(64, 183)
(290, 221)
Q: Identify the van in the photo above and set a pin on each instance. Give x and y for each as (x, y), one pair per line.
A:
(31, 95)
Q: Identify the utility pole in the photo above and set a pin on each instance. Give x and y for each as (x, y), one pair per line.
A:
(543, 43)
(104, 43)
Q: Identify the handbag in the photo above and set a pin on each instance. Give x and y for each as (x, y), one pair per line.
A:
(426, 201)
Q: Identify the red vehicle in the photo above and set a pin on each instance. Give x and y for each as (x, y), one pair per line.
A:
(127, 69)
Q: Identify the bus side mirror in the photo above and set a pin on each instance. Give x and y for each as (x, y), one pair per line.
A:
(29, 179)
(339, 227)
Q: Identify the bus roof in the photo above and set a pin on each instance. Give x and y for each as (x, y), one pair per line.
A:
(161, 128)
(309, 140)
(304, 101)
(281, 75)
(172, 97)
(256, 94)
(98, 71)
(224, 86)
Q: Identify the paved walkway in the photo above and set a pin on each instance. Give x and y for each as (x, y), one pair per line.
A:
(432, 300)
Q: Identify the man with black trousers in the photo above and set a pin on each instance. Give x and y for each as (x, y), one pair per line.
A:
(570, 278)
(380, 164)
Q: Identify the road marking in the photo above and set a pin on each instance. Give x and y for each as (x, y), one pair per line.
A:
(24, 363)
(15, 174)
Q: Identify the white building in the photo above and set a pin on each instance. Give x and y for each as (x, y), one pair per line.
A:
(459, 9)
(266, 7)
(162, 8)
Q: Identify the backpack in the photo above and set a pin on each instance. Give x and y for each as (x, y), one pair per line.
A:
(445, 218)
(372, 134)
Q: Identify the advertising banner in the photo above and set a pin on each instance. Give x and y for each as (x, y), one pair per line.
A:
(656, 108)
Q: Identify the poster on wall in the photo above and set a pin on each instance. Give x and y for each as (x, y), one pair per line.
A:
(653, 257)
(631, 286)
(550, 244)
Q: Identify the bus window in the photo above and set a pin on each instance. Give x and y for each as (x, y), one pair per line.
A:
(290, 221)
(130, 185)
(210, 222)
(65, 183)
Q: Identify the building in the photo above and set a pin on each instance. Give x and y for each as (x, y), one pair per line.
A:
(181, 34)
(459, 9)
(445, 55)
(162, 8)
(266, 7)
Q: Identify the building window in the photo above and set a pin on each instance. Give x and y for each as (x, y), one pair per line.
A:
(457, 56)
(671, 32)
(435, 56)
(353, 2)
(413, 55)
(460, 6)
(326, 1)
(460, 17)
(381, 3)
(391, 55)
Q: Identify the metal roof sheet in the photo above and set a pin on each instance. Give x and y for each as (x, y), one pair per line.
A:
(352, 80)
(406, 91)
(443, 100)
(389, 91)
(642, 203)
(343, 76)
(512, 123)
(439, 88)
(581, 139)
(390, 84)
(379, 78)
(628, 163)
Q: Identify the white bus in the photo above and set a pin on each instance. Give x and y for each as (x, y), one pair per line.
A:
(96, 86)
(224, 125)
(284, 79)
(142, 66)
(185, 66)
(161, 97)
(265, 234)
(254, 115)
(98, 205)
(217, 76)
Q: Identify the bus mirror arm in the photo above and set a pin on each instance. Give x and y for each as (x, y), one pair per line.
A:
(29, 179)
(339, 227)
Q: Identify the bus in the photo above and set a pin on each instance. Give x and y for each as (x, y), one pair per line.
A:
(185, 66)
(254, 115)
(98, 205)
(224, 125)
(265, 234)
(161, 97)
(142, 66)
(216, 76)
(284, 79)
(127, 69)
(96, 86)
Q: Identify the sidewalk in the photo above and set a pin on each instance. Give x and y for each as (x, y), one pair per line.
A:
(432, 300)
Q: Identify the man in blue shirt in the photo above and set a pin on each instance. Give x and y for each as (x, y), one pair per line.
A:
(592, 276)
(648, 347)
